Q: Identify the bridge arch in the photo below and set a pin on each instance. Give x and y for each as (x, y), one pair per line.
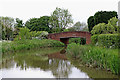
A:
(64, 36)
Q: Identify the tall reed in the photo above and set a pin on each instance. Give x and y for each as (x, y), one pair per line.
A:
(95, 56)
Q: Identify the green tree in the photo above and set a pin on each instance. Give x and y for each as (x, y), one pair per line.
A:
(44, 21)
(60, 19)
(99, 29)
(19, 23)
(24, 33)
(7, 24)
(113, 21)
(109, 28)
(85, 28)
(78, 26)
(38, 24)
(90, 23)
(100, 17)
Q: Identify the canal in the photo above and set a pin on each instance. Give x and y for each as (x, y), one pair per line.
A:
(46, 63)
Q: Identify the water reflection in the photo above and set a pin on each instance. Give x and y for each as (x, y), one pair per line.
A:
(50, 63)
(55, 64)
(60, 68)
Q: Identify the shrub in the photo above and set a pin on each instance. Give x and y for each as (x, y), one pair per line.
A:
(94, 39)
(106, 40)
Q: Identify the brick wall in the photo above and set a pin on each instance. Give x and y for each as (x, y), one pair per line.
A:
(64, 36)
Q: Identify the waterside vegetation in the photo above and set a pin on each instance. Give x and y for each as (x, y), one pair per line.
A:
(96, 57)
(29, 44)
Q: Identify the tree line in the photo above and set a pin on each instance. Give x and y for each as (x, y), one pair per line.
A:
(59, 21)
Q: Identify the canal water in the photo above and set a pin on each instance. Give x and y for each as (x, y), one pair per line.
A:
(46, 63)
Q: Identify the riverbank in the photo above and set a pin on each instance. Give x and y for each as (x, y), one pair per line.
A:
(96, 57)
(29, 44)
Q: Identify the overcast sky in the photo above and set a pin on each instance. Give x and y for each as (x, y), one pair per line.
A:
(80, 9)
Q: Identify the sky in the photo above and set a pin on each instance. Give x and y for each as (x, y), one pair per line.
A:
(81, 10)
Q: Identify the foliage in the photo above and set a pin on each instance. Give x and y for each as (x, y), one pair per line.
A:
(29, 44)
(85, 28)
(81, 41)
(73, 50)
(90, 23)
(106, 40)
(75, 40)
(113, 21)
(38, 24)
(99, 29)
(7, 24)
(103, 28)
(100, 17)
(26, 34)
(94, 39)
(66, 30)
(95, 56)
(1, 32)
(78, 26)
(60, 19)
(23, 34)
(19, 23)
(71, 29)
(41, 34)
(118, 25)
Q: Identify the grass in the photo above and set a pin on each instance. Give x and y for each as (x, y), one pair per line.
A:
(29, 44)
(95, 56)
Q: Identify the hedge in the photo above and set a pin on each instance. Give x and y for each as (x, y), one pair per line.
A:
(94, 39)
(106, 40)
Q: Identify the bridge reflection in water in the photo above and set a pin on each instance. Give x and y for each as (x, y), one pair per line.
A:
(58, 55)
(33, 64)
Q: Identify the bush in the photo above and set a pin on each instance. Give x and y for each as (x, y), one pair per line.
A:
(106, 40)
(94, 39)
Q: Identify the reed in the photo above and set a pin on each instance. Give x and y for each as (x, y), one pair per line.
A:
(96, 57)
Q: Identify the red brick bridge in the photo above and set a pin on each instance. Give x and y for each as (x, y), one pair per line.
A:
(64, 36)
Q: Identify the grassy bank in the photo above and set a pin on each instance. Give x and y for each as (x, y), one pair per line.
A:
(95, 56)
(29, 44)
